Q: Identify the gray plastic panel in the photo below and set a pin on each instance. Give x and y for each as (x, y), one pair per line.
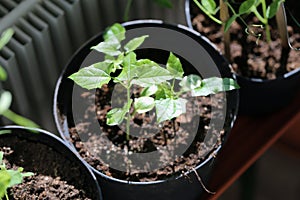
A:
(59, 32)
(108, 12)
(18, 10)
(74, 18)
(3, 11)
(22, 45)
(92, 16)
(14, 83)
(39, 32)
(9, 4)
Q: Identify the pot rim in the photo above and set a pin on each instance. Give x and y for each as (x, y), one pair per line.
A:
(205, 160)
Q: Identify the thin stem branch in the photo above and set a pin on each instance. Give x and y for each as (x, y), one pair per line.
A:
(128, 116)
(201, 182)
(267, 31)
(127, 10)
(224, 16)
(207, 13)
(18, 119)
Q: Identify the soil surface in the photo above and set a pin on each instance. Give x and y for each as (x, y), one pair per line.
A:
(107, 144)
(251, 55)
(40, 186)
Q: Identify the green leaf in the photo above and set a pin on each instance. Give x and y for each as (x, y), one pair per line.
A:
(164, 91)
(118, 62)
(229, 22)
(27, 174)
(18, 119)
(214, 85)
(117, 115)
(174, 66)
(5, 101)
(148, 91)
(230, 84)
(1, 157)
(129, 70)
(90, 77)
(110, 47)
(129, 60)
(116, 31)
(2, 132)
(5, 37)
(143, 104)
(150, 73)
(164, 3)
(134, 43)
(245, 7)
(210, 6)
(107, 66)
(190, 82)
(273, 8)
(15, 177)
(4, 182)
(3, 74)
(167, 109)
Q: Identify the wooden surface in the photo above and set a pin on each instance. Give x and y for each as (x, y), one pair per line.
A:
(249, 139)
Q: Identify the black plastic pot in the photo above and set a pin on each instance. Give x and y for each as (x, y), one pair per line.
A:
(260, 96)
(32, 149)
(198, 56)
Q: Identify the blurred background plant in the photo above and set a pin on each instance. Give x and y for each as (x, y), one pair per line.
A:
(161, 3)
(6, 96)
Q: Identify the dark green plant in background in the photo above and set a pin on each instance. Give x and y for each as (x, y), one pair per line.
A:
(6, 96)
(158, 83)
(263, 10)
(161, 3)
(259, 8)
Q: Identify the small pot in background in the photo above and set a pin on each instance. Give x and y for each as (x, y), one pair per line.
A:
(260, 96)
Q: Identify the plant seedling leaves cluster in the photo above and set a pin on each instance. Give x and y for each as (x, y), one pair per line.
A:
(157, 82)
(10, 177)
(259, 8)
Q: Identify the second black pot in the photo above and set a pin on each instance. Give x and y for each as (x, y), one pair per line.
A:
(260, 96)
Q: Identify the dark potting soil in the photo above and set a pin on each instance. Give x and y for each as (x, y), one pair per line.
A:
(251, 56)
(185, 132)
(40, 186)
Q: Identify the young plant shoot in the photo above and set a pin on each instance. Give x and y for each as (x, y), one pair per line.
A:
(10, 177)
(157, 82)
(259, 8)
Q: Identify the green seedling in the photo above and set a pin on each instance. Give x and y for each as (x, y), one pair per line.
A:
(263, 12)
(157, 82)
(10, 177)
(259, 8)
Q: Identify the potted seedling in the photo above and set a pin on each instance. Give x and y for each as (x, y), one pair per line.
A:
(135, 114)
(255, 38)
(51, 169)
